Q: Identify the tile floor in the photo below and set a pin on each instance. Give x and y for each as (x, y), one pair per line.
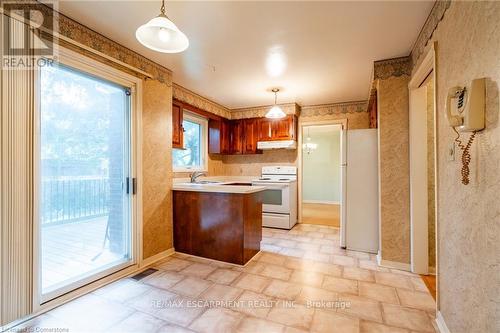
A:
(300, 282)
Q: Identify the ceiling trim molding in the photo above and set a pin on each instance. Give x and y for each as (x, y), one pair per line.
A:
(435, 16)
(80, 33)
(190, 97)
(383, 69)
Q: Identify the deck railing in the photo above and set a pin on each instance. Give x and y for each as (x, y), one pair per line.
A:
(70, 199)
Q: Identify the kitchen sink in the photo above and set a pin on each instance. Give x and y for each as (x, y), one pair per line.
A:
(203, 182)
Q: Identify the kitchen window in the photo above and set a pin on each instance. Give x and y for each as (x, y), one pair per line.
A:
(193, 157)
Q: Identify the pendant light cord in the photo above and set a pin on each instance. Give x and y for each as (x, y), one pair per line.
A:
(162, 8)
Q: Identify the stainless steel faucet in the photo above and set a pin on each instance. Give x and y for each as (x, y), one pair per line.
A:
(195, 175)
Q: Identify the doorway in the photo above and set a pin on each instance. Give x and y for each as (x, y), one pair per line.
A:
(85, 214)
(321, 194)
(423, 172)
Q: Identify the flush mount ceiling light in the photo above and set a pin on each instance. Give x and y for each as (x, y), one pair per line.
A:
(162, 35)
(275, 112)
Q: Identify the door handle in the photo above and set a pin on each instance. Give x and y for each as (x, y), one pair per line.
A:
(134, 185)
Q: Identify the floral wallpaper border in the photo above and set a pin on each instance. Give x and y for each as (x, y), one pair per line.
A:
(260, 111)
(435, 16)
(192, 98)
(384, 69)
(334, 108)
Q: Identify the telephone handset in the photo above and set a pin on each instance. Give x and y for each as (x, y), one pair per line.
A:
(469, 117)
(470, 105)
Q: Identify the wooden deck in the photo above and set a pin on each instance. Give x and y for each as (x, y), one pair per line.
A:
(73, 250)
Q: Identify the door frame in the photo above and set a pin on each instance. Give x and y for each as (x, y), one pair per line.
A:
(343, 123)
(93, 67)
(419, 255)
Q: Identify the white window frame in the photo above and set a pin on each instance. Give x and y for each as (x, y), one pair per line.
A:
(203, 144)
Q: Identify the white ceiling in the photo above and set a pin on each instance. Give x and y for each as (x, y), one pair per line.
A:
(329, 47)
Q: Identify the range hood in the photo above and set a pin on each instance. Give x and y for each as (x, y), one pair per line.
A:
(281, 144)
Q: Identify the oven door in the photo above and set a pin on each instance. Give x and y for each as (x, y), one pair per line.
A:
(275, 198)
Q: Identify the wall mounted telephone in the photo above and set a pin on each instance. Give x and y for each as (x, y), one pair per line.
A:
(465, 109)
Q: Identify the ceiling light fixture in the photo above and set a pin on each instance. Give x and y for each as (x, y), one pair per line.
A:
(275, 62)
(309, 146)
(162, 35)
(275, 112)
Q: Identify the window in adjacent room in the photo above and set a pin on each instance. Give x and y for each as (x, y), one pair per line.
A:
(194, 155)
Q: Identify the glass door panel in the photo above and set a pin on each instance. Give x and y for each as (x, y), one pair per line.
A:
(85, 220)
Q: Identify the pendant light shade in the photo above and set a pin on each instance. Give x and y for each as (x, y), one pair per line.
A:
(162, 35)
(275, 112)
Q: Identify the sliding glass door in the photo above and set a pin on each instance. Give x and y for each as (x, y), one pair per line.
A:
(84, 170)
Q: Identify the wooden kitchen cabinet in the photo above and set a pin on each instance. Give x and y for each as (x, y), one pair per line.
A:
(278, 129)
(232, 137)
(236, 133)
(219, 136)
(177, 129)
(250, 136)
(221, 226)
(265, 129)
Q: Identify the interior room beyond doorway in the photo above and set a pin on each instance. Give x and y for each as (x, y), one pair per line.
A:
(321, 194)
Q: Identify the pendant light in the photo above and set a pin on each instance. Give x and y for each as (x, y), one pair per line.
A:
(162, 35)
(275, 112)
(309, 146)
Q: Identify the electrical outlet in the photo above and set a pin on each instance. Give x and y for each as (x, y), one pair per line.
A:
(451, 152)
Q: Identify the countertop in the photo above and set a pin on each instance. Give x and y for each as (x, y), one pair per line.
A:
(183, 184)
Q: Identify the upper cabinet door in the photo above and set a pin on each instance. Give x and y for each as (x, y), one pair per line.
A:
(265, 129)
(250, 136)
(225, 132)
(177, 129)
(284, 129)
(278, 129)
(236, 137)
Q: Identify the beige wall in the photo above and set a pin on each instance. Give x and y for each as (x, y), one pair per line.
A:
(468, 47)
(251, 165)
(431, 182)
(157, 167)
(394, 184)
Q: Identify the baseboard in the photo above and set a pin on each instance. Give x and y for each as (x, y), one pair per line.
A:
(324, 202)
(157, 257)
(393, 264)
(441, 324)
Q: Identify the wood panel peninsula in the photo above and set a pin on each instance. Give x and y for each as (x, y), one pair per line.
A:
(221, 221)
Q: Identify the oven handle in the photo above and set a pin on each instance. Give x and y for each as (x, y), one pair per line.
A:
(270, 185)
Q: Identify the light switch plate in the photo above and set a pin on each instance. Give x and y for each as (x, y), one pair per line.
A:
(451, 152)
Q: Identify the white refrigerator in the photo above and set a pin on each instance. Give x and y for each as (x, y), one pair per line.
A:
(359, 174)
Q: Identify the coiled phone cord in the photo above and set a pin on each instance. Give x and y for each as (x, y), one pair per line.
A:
(466, 158)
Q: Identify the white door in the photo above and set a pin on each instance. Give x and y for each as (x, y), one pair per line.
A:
(418, 181)
(85, 192)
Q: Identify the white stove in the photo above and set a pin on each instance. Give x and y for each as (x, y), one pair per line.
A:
(279, 207)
